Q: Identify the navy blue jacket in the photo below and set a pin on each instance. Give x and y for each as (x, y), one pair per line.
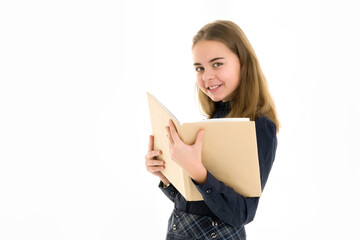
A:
(220, 200)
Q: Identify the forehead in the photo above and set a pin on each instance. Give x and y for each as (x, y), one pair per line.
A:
(205, 50)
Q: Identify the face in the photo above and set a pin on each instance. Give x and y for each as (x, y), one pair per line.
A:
(217, 69)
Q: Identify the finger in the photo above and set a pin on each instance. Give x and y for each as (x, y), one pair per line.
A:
(151, 143)
(199, 138)
(155, 163)
(152, 154)
(155, 169)
(171, 140)
(173, 131)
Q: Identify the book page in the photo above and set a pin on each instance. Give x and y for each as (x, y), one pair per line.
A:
(225, 120)
(162, 105)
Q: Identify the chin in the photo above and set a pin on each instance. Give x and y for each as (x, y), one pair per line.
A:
(216, 99)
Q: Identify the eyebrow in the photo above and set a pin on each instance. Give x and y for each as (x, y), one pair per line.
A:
(212, 60)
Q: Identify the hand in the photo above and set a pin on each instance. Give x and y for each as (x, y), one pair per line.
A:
(153, 165)
(187, 156)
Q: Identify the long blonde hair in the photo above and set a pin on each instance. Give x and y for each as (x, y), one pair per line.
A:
(252, 97)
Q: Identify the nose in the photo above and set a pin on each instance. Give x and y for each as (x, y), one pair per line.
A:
(207, 75)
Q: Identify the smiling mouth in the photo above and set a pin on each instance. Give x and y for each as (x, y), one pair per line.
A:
(214, 87)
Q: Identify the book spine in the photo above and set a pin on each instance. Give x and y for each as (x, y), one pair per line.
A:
(191, 192)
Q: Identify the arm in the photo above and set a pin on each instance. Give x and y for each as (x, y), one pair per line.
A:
(170, 191)
(155, 166)
(230, 206)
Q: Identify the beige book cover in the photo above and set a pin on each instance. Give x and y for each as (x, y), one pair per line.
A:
(229, 151)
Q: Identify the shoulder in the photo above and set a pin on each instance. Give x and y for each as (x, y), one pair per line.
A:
(265, 125)
(267, 145)
(265, 132)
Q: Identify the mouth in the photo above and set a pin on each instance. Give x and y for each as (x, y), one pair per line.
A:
(214, 87)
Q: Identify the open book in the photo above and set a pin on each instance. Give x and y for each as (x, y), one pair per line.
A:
(229, 151)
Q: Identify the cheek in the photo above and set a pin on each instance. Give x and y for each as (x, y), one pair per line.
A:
(233, 79)
(200, 83)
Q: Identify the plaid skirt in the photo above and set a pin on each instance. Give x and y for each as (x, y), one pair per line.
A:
(184, 225)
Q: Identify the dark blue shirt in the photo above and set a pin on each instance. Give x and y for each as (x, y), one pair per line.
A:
(220, 200)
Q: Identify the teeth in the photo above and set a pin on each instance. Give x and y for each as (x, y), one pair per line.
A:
(213, 87)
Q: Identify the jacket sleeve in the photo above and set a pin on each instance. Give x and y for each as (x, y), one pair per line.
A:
(169, 191)
(223, 201)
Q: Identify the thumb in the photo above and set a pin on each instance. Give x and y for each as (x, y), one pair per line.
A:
(199, 138)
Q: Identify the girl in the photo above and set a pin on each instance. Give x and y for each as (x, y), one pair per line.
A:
(230, 83)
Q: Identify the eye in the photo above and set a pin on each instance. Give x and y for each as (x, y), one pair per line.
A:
(199, 69)
(217, 64)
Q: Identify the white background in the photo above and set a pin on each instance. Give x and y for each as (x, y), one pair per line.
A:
(74, 122)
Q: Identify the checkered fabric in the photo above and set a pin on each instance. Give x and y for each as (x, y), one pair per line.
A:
(184, 225)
